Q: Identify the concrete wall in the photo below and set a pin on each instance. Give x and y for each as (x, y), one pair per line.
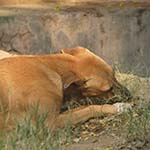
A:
(119, 35)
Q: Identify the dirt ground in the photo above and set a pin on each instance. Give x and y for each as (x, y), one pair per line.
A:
(8, 2)
(75, 2)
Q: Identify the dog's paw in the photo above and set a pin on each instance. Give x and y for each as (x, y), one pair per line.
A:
(123, 107)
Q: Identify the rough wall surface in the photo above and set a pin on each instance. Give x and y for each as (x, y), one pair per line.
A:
(119, 35)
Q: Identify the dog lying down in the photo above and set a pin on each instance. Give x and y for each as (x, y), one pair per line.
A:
(27, 81)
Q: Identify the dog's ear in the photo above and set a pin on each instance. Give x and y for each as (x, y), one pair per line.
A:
(74, 51)
(69, 78)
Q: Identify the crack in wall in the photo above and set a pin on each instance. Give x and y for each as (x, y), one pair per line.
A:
(139, 16)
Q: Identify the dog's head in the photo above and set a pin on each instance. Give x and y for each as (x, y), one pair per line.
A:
(96, 77)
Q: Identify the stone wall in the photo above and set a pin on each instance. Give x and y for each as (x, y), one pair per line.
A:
(119, 35)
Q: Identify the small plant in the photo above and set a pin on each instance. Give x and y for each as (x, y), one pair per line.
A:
(139, 123)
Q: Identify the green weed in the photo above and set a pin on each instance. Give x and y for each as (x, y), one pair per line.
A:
(29, 136)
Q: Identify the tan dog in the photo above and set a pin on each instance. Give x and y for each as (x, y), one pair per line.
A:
(30, 80)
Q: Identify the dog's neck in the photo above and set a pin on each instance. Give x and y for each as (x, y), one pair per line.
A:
(65, 65)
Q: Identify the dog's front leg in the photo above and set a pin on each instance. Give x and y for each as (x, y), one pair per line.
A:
(82, 114)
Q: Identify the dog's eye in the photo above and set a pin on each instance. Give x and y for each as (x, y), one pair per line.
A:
(81, 82)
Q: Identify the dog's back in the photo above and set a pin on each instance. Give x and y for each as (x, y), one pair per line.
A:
(24, 80)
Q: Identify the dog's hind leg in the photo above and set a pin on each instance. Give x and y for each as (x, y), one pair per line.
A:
(82, 114)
